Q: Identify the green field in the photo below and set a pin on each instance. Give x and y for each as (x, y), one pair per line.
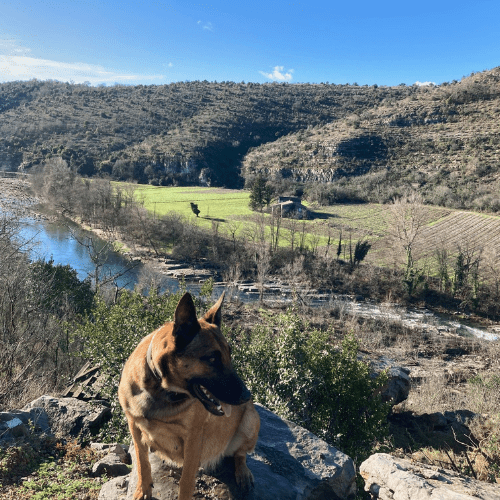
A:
(213, 203)
(228, 207)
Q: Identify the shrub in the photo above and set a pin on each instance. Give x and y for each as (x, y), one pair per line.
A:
(295, 371)
(58, 287)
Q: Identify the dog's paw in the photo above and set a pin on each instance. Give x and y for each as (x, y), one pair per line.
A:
(244, 478)
(142, 493)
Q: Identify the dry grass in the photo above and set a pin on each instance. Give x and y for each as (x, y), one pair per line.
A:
(48, 469)
(448, 373)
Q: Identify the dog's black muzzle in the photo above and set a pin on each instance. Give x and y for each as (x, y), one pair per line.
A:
(212, 391)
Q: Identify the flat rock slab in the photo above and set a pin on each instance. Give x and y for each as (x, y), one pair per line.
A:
(289, 463)
(390, 478)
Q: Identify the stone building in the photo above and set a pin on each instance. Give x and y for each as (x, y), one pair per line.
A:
(291, 207)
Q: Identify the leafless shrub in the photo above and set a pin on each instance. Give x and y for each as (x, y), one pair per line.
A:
(33, 346)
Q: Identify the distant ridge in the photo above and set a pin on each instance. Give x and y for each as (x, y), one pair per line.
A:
(206, 133)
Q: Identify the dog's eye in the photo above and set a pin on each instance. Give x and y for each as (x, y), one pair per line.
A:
(213, 358)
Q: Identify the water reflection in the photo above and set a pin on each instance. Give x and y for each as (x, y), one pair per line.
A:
(62, 242)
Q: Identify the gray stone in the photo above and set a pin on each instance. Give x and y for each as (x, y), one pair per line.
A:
(15, 424)
(70, 417)
(390, 478)
(398, 384)
(289, 463)
(116, 489)
(118, 449)
(112, 465)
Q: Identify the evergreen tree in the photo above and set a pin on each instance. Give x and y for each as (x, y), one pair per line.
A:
(260, 193)
(195, 209)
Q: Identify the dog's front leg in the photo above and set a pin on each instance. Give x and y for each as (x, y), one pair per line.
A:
(144, 487)
(192, 456)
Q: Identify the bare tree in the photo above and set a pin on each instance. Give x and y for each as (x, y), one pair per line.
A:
(406, 219)
(98, 252)
(292, 234)
(55, 182)
(263, 262)
(275, 226)
(233, 227)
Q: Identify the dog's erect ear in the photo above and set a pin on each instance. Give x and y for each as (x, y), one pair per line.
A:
(214, 315)
(186, 324)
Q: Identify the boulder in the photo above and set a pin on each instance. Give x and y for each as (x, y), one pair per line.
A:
(112, 465)
(434, 429)
(398, 384)
(390, 478)
(289, 463)
(119, 449)
(17, 423)
(69, 417)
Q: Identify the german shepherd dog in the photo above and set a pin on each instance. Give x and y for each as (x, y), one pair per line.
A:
(183, 399)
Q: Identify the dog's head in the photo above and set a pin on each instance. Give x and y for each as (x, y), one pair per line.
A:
(191, 355)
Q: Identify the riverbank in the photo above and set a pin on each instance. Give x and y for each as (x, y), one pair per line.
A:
(16, 198)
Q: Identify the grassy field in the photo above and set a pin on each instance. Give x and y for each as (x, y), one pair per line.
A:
(443, 227)
(213, 203)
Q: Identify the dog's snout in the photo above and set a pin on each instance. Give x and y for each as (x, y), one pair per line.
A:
(245, 395)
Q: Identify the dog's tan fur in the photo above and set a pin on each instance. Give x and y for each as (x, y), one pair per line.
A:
(157, 392)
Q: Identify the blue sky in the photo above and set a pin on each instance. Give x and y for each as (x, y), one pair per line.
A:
(156, 42)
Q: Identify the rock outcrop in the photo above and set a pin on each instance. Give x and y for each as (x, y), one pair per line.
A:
(390, 478)
(70, 417)
(289, 463)
(398, 384)
(18, 423)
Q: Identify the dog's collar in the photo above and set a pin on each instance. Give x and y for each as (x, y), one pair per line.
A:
(149, 361)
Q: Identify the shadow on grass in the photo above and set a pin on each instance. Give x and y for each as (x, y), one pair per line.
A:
(322, 215)
(214, 219)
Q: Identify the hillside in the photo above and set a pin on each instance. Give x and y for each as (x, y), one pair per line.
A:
(182, 133)
(372, 141)
(443, 141)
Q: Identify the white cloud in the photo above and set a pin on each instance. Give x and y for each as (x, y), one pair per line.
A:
(12, 47)
(424, 84)
(206, 25)
(14, 67)
(278, 75)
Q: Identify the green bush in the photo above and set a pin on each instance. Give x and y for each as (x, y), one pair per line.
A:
(59, 288)
(295, 371)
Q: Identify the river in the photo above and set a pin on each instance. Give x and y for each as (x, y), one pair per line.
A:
(60, 241)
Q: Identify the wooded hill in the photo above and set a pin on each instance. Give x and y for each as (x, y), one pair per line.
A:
(166, 134)
(443, 139)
